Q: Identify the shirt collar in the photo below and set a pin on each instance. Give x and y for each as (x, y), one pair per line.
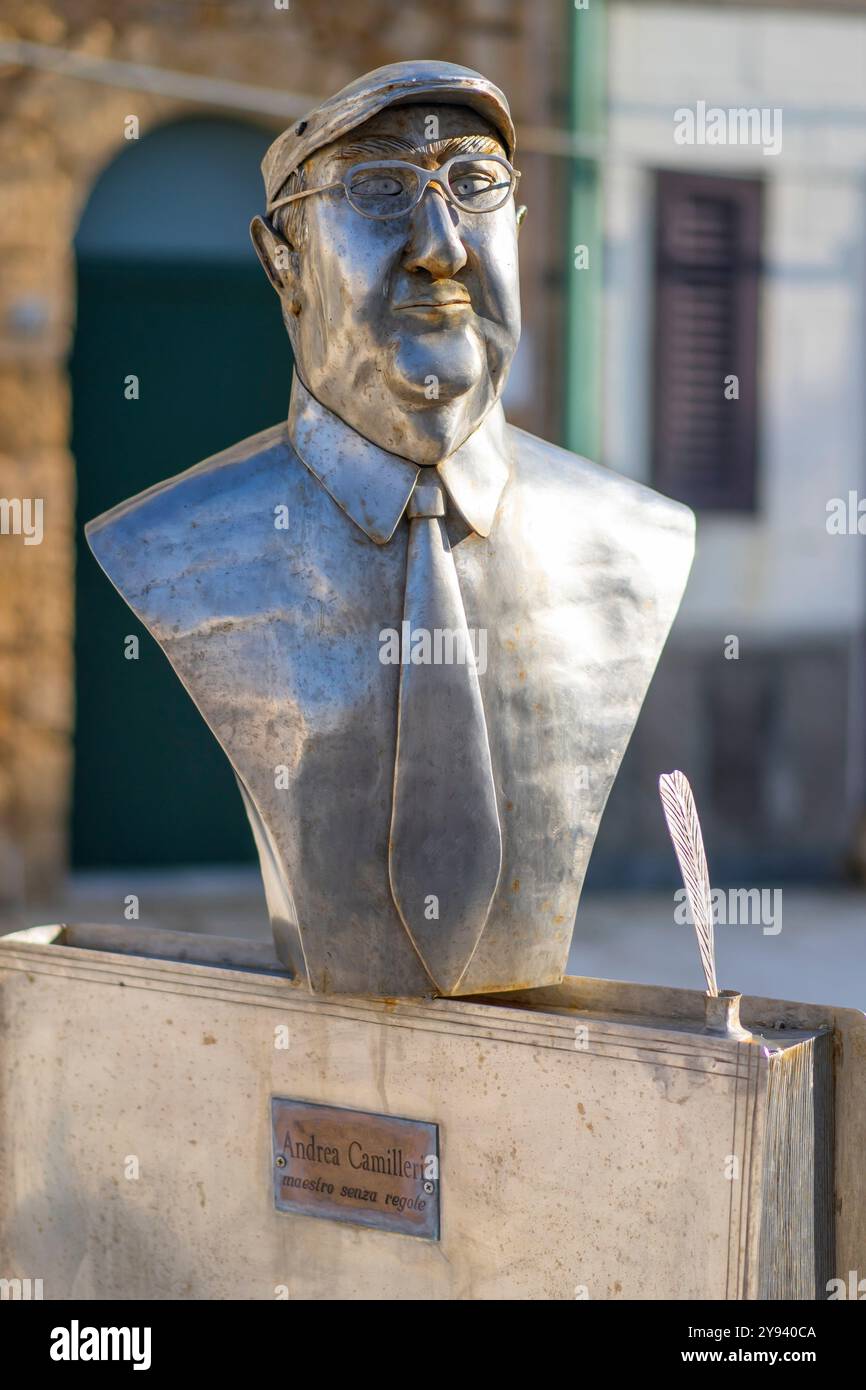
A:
(372, 486)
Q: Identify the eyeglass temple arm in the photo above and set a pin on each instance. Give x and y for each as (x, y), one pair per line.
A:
(306, 193)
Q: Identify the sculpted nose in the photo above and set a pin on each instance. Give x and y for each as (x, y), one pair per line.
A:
(434, 243)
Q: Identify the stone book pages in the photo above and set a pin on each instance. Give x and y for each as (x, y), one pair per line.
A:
(795, 1257)
(203, 1129)
(751, 1149)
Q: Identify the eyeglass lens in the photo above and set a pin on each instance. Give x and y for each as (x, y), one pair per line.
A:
(476, 184)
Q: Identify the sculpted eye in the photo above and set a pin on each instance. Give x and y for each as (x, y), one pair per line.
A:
(380, 191)
(479, 185)
(377, 186)
(468, 184)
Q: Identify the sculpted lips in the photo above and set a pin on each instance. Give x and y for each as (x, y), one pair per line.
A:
(444, 295)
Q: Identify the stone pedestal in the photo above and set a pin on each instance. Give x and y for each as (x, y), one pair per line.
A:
(580, 1132)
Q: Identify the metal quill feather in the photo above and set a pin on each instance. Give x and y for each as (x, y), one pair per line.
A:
(685, 830)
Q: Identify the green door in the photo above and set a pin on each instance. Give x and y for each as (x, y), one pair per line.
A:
(203, 335)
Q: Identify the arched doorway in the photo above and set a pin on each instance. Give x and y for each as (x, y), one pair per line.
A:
(169, 291)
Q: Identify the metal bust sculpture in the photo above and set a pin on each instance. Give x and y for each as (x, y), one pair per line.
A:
(426, 678)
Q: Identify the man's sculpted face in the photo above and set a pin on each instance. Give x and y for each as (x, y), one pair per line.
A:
(405, 328)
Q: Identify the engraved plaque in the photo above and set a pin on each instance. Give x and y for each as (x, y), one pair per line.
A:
(350, 1165)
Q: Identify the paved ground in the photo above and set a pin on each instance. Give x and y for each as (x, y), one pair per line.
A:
(221, 902)
(819, 955)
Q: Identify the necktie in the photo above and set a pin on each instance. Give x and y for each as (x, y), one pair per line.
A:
(445, 850)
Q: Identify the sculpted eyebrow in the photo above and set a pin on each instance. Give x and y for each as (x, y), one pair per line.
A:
(397, 147)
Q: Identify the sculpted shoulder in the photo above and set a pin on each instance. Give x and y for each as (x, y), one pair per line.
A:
(606, 512)
(548, 466)
(183, 532)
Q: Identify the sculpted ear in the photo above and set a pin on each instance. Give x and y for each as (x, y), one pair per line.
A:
(274, 253)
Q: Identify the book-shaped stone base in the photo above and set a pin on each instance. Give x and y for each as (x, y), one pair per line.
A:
(178, 1121)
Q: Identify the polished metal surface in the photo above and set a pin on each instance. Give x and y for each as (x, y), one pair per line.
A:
(445, 847)
(420, 80)
(723, 1015)
(274, 574)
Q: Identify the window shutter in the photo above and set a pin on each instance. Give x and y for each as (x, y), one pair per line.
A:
(708, 237)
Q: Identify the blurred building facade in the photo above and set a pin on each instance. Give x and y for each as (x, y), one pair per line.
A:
(723, 259)
(652, 272)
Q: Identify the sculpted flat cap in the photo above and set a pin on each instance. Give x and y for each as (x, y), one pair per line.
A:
(394, 84)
